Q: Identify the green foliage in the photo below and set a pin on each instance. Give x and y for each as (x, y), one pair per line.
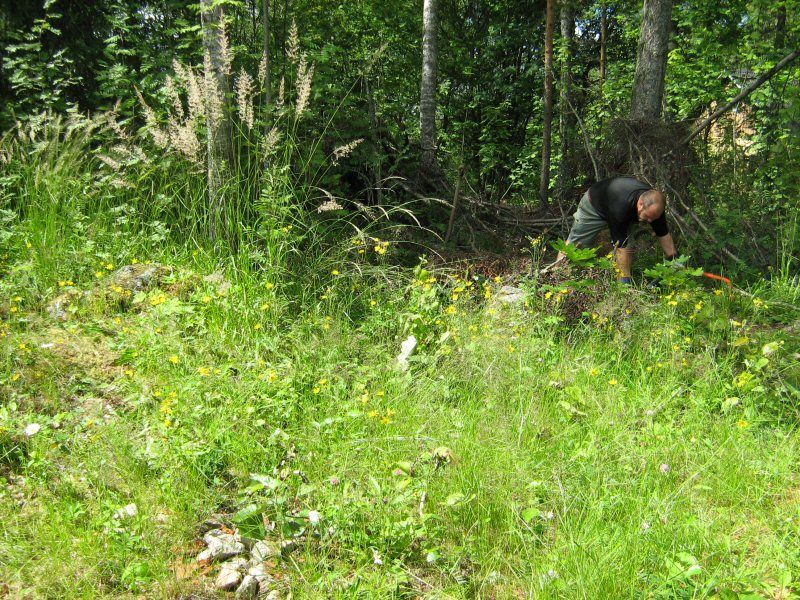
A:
(582, 257)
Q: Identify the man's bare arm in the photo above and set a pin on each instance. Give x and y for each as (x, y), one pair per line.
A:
(667, 245)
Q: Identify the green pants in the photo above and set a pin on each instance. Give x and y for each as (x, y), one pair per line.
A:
(587, 225)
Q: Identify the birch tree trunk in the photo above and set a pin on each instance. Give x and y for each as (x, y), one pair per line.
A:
(220, 143)
(544, 180)
(651, 60)
(427, 101)
(566, 124)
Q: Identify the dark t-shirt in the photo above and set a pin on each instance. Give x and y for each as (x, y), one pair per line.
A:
(615, 199)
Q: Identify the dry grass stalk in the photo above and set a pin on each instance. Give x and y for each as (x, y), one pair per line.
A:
(160, 137)
(345, 150)
(293, 49)
(281, 94)
(262, 69)
(305, 74)
(271, 141)
(244, 98)
(213, 96)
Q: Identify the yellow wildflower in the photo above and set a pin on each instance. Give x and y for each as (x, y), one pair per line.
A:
(204, 371)
(612, 382)
(174, 359)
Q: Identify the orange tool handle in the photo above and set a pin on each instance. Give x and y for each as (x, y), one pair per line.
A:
(717, 277)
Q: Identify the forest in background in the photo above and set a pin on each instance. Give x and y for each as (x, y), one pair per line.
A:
(494, 107)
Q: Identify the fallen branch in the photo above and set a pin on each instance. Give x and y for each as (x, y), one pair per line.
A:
(702, 225)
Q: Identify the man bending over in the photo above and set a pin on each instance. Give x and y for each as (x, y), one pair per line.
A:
(618, 203)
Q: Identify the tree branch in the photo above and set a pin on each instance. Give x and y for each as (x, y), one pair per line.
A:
(744, 93)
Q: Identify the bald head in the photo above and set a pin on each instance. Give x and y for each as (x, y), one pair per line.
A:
(651, 205)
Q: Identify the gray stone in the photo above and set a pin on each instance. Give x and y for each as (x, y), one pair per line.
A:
(264, 550)
(273, 595)
(221, 546)
(228, 578)
(248, 589)
(259, 571)
(139, 277)
(511, 295)
(58, 309)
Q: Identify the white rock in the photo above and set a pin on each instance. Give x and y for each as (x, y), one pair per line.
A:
(259, 571)
(314, 517)
(264, 550)
(273, 595)
(228, 578)
(406, 350)
(248, 589)
(221, 546)
(126, 512)
(511, 295)
(32, 429)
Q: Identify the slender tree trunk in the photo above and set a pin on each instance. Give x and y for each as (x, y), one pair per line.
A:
(220, 140)
(651, 59)
(603, 37)
(267, 57)
(566, 171)
(427, 103)
(544, 181)
(780, 26)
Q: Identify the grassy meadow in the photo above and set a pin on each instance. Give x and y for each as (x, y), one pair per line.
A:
(589, 441)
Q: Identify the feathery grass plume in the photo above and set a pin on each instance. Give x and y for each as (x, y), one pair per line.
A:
(293, 50)
(262, 69)
(130, 152)
(112, 117)
(244, 97)
(183, 138)
(225, 50)
(194, 93)
(271, 141)
(304, 75)
(328, 206)
(344, 150)
(160, 137)
(172, 94)
(281, 94)
(212, 93)
(112, 163)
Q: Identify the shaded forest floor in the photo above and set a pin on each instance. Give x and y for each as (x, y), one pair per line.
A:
(581, 440)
